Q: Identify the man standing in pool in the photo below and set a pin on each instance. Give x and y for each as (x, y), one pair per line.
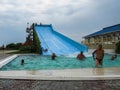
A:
(99, 52)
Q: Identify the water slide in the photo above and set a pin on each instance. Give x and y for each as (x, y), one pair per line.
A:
(54, 42)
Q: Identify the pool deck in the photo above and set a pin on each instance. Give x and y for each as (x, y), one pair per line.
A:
(67, 74)
(15, 84)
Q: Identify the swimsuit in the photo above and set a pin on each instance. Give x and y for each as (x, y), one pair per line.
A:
(99, 60)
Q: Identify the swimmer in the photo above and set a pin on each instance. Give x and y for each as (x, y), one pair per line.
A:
(22, 62)
(53, 56)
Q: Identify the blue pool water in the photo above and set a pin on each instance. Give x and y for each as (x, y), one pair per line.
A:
(36, 62)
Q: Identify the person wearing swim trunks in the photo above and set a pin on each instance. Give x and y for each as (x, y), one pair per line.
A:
(99, 52)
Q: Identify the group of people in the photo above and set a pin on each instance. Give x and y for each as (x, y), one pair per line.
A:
(53, 56)
(98, 56)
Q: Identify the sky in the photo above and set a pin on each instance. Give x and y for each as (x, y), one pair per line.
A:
(73, 18)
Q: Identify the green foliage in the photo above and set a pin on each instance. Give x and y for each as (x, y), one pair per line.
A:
(25, 49)
(36, 43)
(10, 46)
(117, 50)
(13, 46)
(18, 45)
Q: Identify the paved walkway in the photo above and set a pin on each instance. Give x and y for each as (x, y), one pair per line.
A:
(6, 84)
(3, 54)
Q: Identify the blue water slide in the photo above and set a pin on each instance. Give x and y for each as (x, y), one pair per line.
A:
(54, 42)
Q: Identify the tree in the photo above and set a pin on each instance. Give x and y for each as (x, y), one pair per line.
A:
(117, 50)
(11, 46)
(18, 45)
(14, 46)
(36, 42)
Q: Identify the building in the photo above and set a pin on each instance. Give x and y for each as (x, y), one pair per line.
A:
(108, 37)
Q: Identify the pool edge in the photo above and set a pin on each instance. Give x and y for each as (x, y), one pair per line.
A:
(67, 74)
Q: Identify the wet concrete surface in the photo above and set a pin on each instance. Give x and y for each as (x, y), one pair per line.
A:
(14, 84)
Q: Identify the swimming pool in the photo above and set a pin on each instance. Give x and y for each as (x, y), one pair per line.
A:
(37, 62)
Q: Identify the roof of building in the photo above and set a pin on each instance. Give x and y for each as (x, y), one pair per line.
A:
(105, 30)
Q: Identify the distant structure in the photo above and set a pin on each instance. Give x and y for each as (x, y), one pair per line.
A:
(29, 37)
(108, 37)
(2, 47)
(30, 33)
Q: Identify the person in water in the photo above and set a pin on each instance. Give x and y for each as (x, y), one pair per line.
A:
(22, 62)
(99, 52)
(46, 50)
(80, 56)
(114, 57)
(53, 56)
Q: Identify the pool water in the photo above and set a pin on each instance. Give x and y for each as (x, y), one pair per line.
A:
(36, 62)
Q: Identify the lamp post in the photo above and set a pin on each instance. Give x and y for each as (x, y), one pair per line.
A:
(27, 24)
(3, 49)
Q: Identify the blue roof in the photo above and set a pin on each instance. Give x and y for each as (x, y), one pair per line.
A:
(105, 30)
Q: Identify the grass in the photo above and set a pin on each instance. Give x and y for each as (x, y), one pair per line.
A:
(19, 52)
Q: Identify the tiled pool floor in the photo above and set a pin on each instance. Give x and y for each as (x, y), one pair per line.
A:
(8, 84)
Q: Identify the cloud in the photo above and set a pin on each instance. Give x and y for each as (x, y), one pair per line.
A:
(74, 18)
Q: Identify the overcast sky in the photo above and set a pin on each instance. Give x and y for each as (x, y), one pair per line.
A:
(73, 18)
